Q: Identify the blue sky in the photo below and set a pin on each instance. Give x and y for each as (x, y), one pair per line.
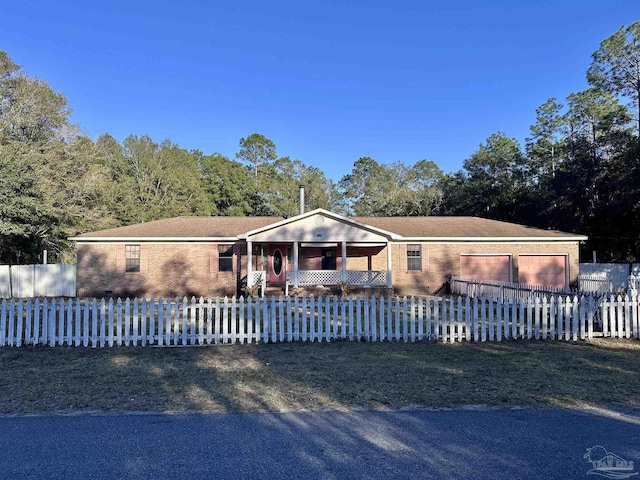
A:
(328, 81)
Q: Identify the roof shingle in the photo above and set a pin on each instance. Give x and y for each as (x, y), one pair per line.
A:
(412, 227)
(186, 227)
(456, 227)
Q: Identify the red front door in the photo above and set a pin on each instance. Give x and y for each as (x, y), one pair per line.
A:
(277, 263)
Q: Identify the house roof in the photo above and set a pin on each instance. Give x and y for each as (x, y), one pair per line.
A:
(461, 227)
(183, 228)
(413, 228)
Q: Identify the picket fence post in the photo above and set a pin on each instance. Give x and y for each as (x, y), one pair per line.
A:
(613, 318)
(412, 319)
(575, 318)
(320, 318)
(529, 317)
(452, 321)
(490, 313)
(3, 322)
(350, 309)
(17, 334)
(503, 330)
(166, 333)
(290, 320)
(337, 332)
(61, 319)
(303, 320)
(544, 317)
(373, 312)
(280, 319)
(327, 318)
(28, 317)
(68, 308)
(567, 318)
(103, 329)
(635, 322)
(358, 326)
(583, 317)
(536, 307)
(483, 321)
(241, 335)
(436, 313)
(627, 316)
(420, 319)
(427, 318)
(499, 319)
(475, 319)
(444, 321)
(405, 320)
(200, 314)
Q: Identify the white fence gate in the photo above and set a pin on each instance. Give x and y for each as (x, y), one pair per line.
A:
(165, 322)
(28, 281)
(616, 273)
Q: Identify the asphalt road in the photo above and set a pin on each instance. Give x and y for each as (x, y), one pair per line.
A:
(414, 444)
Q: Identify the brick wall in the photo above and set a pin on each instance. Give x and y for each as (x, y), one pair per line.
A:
(441, 261)
(171, 270)
(185, 269)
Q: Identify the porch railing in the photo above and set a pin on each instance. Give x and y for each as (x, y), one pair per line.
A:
(259, 279)
(319, 277)
(367, 277)
(334, 277)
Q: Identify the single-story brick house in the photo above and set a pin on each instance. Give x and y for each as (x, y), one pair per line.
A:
(220, 255)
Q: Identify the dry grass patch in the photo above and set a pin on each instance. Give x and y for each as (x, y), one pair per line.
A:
(310, 376)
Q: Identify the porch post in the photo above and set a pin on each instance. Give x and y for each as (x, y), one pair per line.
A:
(389, 266)
(249, 264)
(295, 263)
(344, 262)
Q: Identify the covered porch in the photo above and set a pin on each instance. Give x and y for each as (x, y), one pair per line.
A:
(319, 249)
(322, 264)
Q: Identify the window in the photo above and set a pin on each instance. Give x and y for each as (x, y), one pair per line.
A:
(132, 258)
(225, 258)
(414, 257)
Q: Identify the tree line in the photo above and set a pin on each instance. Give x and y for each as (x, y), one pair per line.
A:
(578, 171)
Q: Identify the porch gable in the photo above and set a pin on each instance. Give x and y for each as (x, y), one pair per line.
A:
(319, 226)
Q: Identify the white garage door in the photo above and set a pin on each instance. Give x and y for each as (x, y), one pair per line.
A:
(546, 270)
(486, 267)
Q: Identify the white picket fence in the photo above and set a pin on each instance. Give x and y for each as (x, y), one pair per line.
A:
(165, 322)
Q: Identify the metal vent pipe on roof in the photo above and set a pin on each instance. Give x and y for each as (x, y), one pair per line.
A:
(301, 198)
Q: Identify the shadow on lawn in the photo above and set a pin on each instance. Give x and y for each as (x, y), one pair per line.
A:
(286, 377)
(341, 375)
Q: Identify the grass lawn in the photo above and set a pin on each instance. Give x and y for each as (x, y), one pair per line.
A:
(338, 375)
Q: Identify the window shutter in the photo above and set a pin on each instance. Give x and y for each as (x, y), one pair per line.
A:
(144, 256)
(403, 258)
(120, 259)
(213, 259)
(425, 258)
